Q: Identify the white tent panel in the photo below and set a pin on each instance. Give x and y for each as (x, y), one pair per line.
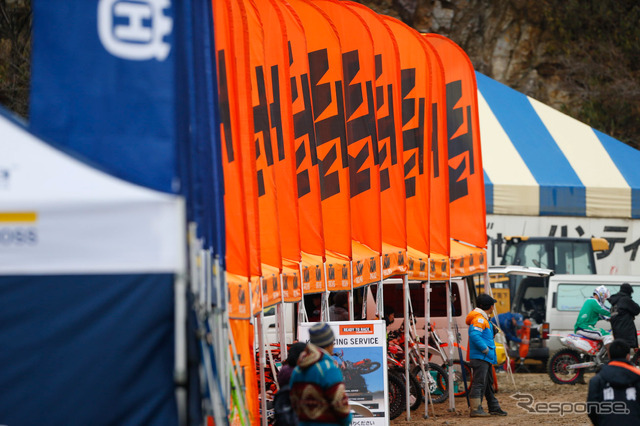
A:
(59, 215)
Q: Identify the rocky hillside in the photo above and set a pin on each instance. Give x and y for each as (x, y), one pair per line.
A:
(582, 57)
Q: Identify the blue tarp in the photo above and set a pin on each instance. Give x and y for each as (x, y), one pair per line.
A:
(87, 350)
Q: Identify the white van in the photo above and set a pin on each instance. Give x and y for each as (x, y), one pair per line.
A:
(567, 294)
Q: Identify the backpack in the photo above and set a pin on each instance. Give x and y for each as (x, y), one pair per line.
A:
(284, 413)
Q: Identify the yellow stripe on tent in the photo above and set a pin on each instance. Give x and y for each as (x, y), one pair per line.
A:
(18, 217)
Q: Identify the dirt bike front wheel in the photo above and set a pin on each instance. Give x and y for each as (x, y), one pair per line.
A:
(368, 368)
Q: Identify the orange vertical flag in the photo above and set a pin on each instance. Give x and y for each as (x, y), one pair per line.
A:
(359, 77)
(278, 90)
(306, 165)
(388, 119)
(467, 208)
(265, 165)
(306, 161)
(244, 118)
(416, 133)
(440, 240)
(237, 240)
(325, 78)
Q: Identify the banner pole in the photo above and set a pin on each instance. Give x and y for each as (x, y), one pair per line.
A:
(407, 325)
(261, 356)
(427, 334)
(351, 314)
(450, 371)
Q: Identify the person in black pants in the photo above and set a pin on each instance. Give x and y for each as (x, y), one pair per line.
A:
(623, 311)
(482, 352)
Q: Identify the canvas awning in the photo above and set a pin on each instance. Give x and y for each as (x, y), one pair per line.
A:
(541, 162)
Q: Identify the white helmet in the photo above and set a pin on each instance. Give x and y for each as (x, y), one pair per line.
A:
(602, 293)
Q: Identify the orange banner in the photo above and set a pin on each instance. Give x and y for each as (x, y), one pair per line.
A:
(242, 114)
(291, 283)
(271, 288)
(278, 90)
(359, 76)
(267, 202)
(337, 273)
(365, 266)
(467, 260)
(389, 128)
(306, 166)
(394, 261)
(237, 240)
(312, 274)
(416, 131)
(467, 208)
(417, 264)
(242, 332)
(238, 297)
(325, 78)
(439, 227)
(256, 295)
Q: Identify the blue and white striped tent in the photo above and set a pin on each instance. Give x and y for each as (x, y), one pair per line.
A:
(540, 162)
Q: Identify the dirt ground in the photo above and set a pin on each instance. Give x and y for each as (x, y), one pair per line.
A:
(538, 385)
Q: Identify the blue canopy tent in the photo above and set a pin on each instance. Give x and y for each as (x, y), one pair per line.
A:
(549, 174)
(87, 270)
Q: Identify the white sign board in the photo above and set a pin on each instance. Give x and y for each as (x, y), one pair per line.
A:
(361, 352)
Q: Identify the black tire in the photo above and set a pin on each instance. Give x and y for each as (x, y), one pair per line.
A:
(437, 387)
(458, 378)
(370, 368)
(557, 367)
(396, 395)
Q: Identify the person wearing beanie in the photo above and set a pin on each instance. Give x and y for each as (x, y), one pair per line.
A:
(318, 393)
(482, 354)
(623, 312)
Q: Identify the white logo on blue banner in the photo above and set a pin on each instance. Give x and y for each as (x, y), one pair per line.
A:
(135, 29)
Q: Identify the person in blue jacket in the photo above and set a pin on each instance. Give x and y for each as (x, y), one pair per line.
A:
(509, 323)
(482, 354)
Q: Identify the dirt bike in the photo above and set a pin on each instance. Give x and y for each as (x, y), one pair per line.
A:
(581, 354)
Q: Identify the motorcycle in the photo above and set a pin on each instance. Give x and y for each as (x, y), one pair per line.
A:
(568, 365)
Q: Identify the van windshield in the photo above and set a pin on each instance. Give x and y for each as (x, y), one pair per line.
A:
(571, 297)
(393, 298)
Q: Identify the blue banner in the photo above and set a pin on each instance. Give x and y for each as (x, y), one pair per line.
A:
(103, 85)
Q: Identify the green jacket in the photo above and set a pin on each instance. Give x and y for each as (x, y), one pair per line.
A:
(590, 314)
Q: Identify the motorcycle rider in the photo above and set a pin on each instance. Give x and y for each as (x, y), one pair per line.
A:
(592, 311)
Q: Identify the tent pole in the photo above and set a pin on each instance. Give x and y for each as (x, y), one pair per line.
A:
(324, 310)
(282, 331)
(351, 291)
(427, 324)
(302, 310)
(450, 372)
(407, 359)
(261, 356)
(180, 366)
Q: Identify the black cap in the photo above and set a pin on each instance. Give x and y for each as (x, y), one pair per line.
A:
(626, 288)
(484, 301)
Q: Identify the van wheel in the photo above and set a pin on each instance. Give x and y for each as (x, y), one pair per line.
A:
(558, 364)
